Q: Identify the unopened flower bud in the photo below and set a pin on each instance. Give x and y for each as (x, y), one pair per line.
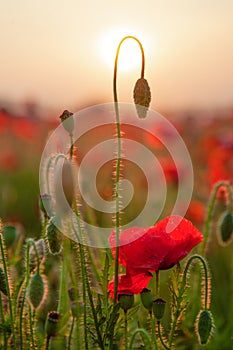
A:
(147, 298)
(67, 121)
(126, 301)
(45, 204)
(142, 97)
(205, 325)
(36, 290)
(51, 325)
(3, 288)
(225, 233)
(9, 233)
(159, 308)
(53, 237)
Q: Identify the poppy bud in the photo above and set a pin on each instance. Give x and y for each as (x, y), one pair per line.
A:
(147, 298)
(205, 325)
(226, 228)
(9, 233)
(126, 301)
(36, 290)
(40, 246)
(142, 97)
(45, 204)
(159, 308)
(51, 325)
(67, 121)
(3, 288)
(53, 237)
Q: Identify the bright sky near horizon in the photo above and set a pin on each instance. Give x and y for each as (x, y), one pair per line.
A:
(57, 52)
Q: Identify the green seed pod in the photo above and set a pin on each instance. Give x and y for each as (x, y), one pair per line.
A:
(142, 97)
(67, 121)
(45, 204)
(54, 237)
(3, 288)
(40, 246)
(126, 301)
(9, 233)
(51, 326)
(159, 308)
(36, 290)
(225, 233)
(147, 299)
(205, 325)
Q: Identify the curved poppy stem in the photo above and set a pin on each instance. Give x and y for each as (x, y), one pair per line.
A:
(118, 161)
(211, 208)
(145, 334)
(205, 268)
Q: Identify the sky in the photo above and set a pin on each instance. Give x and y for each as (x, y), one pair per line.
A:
(57, 52)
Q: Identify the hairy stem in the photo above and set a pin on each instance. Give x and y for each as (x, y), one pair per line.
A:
(8, 289)
(211, 208)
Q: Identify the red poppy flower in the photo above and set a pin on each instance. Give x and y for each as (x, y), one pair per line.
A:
(145, 250)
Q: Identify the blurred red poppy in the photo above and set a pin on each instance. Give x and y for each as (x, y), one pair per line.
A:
(146, 250)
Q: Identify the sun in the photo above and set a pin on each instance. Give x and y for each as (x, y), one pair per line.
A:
(129, 56)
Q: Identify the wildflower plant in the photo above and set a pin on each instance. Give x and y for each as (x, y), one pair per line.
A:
(99, 277)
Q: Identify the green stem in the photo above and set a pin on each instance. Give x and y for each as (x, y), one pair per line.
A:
(118, 161)
(157, 284)
(27, 278)
(126, 330)
(204, 265)
(31, 327)
(145, 334)
(3, 323)
(85, 278)
(82, 256)
(211, 208)
(8, 291)
(47, 342)
(70, 334)
(71, 146)
(152, 320)
(161, 337)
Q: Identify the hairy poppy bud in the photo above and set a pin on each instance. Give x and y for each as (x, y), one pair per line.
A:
(159, 308)
(40, 246)
(147, 298)
(126, 301)
(67, 121)
(51, 325)
(142, 97)
(205, 325)
(3, 288)
(9, 233)
(36, 290)
(226, 228)
(53, 237)
(45, 204)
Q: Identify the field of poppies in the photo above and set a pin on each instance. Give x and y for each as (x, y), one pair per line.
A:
(66, 285)
(58, 293)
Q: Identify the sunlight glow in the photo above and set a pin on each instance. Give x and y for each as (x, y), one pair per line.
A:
(129, 56)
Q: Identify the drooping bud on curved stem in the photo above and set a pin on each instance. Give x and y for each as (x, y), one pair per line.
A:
(211, 208)
(118, 160)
